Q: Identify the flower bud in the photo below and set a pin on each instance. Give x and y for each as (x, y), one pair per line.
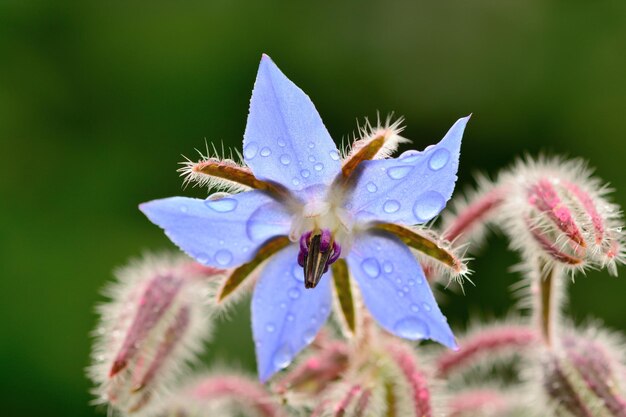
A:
(156, 320)
(581, 378)
(556, 211)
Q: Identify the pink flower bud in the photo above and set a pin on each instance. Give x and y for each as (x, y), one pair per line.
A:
(156, 320)
(223, 395)
(582, 377)
(555, 210)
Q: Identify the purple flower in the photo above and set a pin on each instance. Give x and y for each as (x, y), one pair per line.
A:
(315, 215)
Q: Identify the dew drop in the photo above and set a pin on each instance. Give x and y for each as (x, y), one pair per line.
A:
(399, 172)
(412, 328)
(371, 187)
(311, 158)
(371, 267)
(415, 308)
(285, 159)
(410, 156)
(305, 173)
(311, 145)
(183, 209)
(391, 206)
(283, 305)
(281, 143)
(290, 317)
(334, 155)
(426, 307)
(439, 159)
(250, 150)
(297, 273)
(387, 267)
(222, 205)
(269, 327)
(428, 205)
(411, 282)
(324, 310)
(202, 257)
(294, 293)
(223, 257)
(398, 281)
(400, 293)
(265, 151)
(405, 289)
(309, 335)
(282, 357)
(295, 181)
(319, 166)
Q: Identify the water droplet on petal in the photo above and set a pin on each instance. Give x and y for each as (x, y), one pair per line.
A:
(283, 305)
(411, 282)
(410, 156)
(319, 166)
(412, 328)
(222, 205)
(398, 281)
(391, 206)
(311, 158)
(295, 181)
(371, 187)
(294, 293)
(183, 208)
(334, 155)
(297, 273)
(265, 151)
(387, 267)
(309, 335)
(290, 317)
(426, 306)
(223, 257)
(282, 357)
(399, 172)
(405, 289)
(428, 205)
(285, 159)
(250, 150)
(269, 327)
(400, 293)
(305, 173)
(202, 257)
(371, 267)
(281, 143)
(439, 159)
(311, 145)
(415, 308)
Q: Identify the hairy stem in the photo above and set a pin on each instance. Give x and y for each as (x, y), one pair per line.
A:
(547, 293)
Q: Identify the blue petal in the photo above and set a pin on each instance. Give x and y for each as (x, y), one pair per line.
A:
(286, 316)
(410, 189)
(222, 233)
(285, 140)
(395, 290)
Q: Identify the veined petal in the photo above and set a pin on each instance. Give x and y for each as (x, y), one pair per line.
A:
(285, 316)
(395, 290)
(224, 232)
(410, 189)
(285, 140)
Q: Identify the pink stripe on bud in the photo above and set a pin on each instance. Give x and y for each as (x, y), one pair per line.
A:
(587, 202)
(561, 391)
(548, 245)
(346, 401)
(403, 357)
(484, 344)
(545, 198)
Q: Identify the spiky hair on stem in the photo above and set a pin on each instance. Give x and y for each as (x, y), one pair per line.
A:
(154, 324)
(209, 170)
(556, 210)
(382, 137)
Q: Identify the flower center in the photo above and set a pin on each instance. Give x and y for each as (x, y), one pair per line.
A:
(317, 252)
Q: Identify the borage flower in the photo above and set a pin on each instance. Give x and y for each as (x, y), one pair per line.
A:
(313, 217)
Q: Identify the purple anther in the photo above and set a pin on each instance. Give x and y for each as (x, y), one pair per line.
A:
(336, 253)
(317, 252)
(325, 239)
(305, 240)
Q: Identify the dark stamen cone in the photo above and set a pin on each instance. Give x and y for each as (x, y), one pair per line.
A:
(315, 263)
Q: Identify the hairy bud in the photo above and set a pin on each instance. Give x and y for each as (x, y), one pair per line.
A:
(155, 322)
(556, 211)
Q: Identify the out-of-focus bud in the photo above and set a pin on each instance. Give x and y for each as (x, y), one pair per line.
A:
(482, 403)
(156, 320)
(418, 389)
(314, 374)
(488, 344)
(556, 211)
(224, 396)
(581, 377)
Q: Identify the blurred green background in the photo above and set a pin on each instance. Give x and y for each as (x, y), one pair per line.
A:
(98, 100)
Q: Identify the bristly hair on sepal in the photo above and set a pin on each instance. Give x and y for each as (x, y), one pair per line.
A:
(388, 132)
